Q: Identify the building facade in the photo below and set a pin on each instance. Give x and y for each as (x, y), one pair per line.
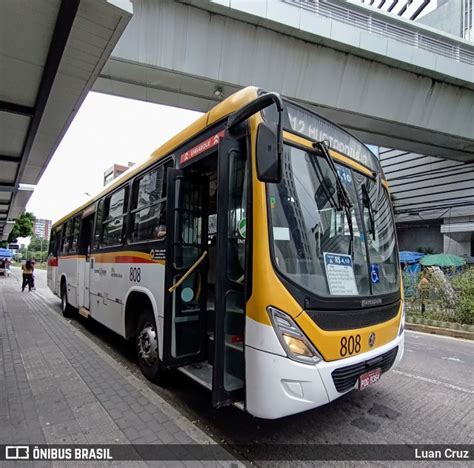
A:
(433, 201)
(434, 197)
(452, 16)
(115, 171)
(42, 228)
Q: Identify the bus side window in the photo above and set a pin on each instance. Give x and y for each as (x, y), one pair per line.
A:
(52, 244)
(59, 240)
(148, 210)
(76, 228)
(98, 224)
(67, 230)
(114, 218)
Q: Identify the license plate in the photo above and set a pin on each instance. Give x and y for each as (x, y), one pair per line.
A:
(369, 378)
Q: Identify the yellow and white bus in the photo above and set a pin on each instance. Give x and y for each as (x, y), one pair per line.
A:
(255, 252)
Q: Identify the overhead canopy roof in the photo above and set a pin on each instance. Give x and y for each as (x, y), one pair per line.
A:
(50, 55)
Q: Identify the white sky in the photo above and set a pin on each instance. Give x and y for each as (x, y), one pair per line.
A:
(106, 130)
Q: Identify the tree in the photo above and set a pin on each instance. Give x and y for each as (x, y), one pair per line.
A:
(23, 227)
(37, 243)
(38, 248)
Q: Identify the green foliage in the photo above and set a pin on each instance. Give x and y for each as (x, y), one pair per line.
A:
(37, 250)
(450, 299)
(38, 243)
(464, 287)
(23, 227)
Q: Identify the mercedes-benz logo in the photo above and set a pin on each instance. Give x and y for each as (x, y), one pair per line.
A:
(372, 339)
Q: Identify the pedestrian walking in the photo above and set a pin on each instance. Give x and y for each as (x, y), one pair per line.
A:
(28, 270)
(33, 264)
(424, 291)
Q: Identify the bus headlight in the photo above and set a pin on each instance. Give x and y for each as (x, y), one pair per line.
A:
(294, 342)
(402, 320)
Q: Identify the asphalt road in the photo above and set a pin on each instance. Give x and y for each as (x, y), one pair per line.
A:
(428, 399)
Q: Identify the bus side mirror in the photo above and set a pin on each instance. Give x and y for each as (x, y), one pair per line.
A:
(269, 136)
(268, 153)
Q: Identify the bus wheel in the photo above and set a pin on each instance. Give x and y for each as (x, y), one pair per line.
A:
(146, 342)
(66, 308)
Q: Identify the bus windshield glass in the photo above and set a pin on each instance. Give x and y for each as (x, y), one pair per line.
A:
(314, 245)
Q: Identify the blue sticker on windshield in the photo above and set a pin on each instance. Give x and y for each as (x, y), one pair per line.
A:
(375, 273)
(344, 174)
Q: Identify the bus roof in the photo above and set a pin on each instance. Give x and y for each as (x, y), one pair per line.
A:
(224, 108)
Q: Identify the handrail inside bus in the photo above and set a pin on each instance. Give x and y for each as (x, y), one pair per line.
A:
(191, 269)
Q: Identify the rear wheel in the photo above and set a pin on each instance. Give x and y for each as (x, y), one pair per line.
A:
(146, 343)
(66, 308)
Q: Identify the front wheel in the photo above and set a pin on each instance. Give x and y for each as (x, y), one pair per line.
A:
(146, 343)
(66, 308)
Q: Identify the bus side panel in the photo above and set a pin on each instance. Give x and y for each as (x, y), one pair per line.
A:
(68, 267)
(52, 273)
(112, 279)
(105, 307)
(81, 264)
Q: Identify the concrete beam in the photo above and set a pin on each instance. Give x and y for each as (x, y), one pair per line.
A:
(177, 54)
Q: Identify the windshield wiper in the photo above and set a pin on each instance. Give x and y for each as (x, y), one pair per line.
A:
(368, 204)
(343, 200)
(378, 184)
(372, 208)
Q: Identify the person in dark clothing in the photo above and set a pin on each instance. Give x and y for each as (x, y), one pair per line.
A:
(33, 264)
(28, 270)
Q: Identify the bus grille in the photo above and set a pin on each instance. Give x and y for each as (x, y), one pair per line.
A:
(346, 377)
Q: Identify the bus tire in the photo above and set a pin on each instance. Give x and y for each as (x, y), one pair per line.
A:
(66, 308)
(146, 345)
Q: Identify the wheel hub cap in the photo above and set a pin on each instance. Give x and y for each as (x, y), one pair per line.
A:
(148, 345)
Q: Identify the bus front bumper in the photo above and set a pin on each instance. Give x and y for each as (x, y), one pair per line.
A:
(278, 386)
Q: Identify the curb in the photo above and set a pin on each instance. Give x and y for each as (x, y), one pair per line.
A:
(467, 335)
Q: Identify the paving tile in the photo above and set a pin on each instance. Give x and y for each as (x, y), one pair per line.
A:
(56, 386)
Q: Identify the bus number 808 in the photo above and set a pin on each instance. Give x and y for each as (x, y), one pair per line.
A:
(135, 274)
(350, 345)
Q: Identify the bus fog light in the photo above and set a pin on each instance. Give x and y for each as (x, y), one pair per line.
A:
(297, 346)
(292, 339)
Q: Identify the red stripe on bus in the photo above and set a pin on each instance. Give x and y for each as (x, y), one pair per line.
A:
(127, 259)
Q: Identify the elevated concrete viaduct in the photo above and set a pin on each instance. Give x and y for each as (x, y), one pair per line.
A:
(390, 81)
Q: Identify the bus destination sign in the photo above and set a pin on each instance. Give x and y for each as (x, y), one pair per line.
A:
(318, 129)
(201, 147)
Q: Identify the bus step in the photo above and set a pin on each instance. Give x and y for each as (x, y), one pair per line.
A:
(84, 312)
(200, 372)
(240, 405)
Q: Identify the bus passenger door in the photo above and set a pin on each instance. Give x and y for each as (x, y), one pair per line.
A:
(229, 369)
(184, 330)
(85, 245)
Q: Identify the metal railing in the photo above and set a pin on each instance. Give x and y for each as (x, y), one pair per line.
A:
(374, 25)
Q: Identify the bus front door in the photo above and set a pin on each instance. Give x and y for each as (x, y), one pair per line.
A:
(85, 243)
(229, 369)
(184, 329)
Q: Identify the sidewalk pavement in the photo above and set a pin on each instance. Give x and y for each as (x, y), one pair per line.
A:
(58, 387)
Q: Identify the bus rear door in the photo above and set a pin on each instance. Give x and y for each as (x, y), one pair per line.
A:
(85, 244)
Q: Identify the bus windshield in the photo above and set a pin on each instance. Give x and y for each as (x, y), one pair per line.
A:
(314, 244)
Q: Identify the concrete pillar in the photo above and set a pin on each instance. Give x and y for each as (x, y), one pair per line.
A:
(457, 243)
